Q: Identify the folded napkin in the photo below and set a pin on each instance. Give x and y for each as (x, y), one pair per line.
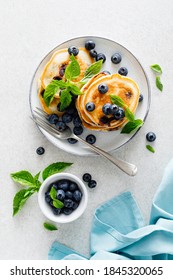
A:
(118, 230)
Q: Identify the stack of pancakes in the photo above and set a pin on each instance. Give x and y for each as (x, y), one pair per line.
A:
(121, 86)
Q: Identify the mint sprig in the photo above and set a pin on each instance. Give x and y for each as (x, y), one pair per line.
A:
(132, 122)
(49, 226)
(92, 70)
(56, 202)
(25, 178)
(72, 71)
(157, 69)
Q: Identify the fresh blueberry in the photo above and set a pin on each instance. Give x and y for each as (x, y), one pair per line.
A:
(103, 88)
(73, 50)
(104, 119)
(77, 195)
(92, 184)
(60, 195)
(77, 130)
(54, 185)
(66, 118)
(114, 108)
(75, 205)
(101, 56)
(71, 110)
(67, 211)
(90, 45)
(77, 121)
(141, 97)
(47, 197)
(123, 71)
(68, 203)
(91, 139)
(73, 186)
(93, 53)
(116, 58)
(53, 119)
(69, 195)
(61, 126)
(90, 106)
(63, 184)
(87, 177)
(107, 109)
(72, 140)
(151, 136)
(119, 114)
(106, 72)
(56, 211)
(40, 151)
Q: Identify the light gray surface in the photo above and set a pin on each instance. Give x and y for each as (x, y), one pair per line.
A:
(29, 30)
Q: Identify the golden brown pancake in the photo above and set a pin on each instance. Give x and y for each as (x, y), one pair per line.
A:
(121, 86)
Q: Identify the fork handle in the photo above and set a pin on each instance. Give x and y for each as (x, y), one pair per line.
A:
(125, 166)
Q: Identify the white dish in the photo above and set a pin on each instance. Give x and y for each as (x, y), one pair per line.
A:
(112, 140)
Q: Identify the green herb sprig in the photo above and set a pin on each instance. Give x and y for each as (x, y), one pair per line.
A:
(25, 178)
(68, 87)
(132, 122)
(157, 69)
(49, 226)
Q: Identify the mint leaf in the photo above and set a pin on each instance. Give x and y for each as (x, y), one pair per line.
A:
(129, 115)
(117, 100)
(72, 71)
(57, 203)
(74, 89)
(53, 193)
(159, 84)
(23, 177)
(54, 168)
(150, 148)
(37, 182)
(50, 227)
(51, 90)
(156, 68)
(20, 198)
(65, 99)
(132, 125)
(92, 70)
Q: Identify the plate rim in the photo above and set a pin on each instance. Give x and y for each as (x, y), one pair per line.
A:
(112, 41)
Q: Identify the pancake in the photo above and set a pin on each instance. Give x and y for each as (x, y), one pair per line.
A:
(124, 87)
(55, 69)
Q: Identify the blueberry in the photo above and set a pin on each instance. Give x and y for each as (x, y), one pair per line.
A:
(63, 184)
(90, 106)
(75, 205)
(114, 108)
(116, 58)
(68, 203)
(77, 195)
(61, 126)
(69, 195)
(67, 211)
(72, 140)
(53, 119)
(56, 211)
(103, 88)
(60, 195)
(101, 56)
(47, 197)
(91, 139)
(71, 110)
(93, 53)
(73, 50)
(119, 114)
(87, 177)
(40, 151)
(141, 97)
(66, 118)
(90, 45)
(123, 71)
(73, 186)
(77, 130)
(107, 109)
(104, 119)
(77, 121)
(151, 136)
(92, 184)
(106, 72)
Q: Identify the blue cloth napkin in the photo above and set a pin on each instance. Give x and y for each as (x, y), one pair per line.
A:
(118, 230)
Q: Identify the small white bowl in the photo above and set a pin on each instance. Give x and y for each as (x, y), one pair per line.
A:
(45, 208)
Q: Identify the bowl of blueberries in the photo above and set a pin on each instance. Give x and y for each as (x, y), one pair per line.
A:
(63, 197)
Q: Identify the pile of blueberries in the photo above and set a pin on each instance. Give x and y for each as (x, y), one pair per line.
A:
(68, 192)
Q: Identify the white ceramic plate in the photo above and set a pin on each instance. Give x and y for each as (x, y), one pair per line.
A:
(112, 140)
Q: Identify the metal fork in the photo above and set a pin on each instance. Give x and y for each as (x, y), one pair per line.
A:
(40, 118)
